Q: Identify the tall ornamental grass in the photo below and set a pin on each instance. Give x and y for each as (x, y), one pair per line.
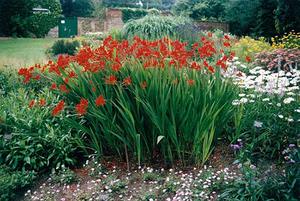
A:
(145, 99)
(153, 27)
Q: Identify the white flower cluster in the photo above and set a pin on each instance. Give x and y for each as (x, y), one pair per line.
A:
(274, 88)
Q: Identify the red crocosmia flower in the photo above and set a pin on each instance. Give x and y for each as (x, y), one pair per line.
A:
(144, 85)
(195, 66)
(211, 69)
(111, 80)
(94, 89)
(190, 82)
(248, 59)
(63, 88)
(42, 102)
(127, 81)
(37, 77)
(209, 34)
(66, 80)
(72, 74)
(100, 101)
(53, 86)
(226, 44)
(116, 67)
(26, 73)
(81, 107)
(31, 103)
(227, 37)
(63, 61)
(58, 108)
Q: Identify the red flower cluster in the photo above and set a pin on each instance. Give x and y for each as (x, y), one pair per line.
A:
(112, 55)
(58, 108)
(100, 101)
(81, 108)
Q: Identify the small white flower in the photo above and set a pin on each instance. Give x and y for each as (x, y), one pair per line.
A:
(244, 100)
(288, 100)
(266, 99)
(280, 116)
(258, 124)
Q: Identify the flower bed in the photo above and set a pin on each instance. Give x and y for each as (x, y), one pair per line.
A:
(148, 99)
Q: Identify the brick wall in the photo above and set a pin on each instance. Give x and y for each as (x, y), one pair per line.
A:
(113, 20)
(86, 25)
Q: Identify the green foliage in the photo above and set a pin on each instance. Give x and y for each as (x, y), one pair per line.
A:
(64, 47)
(116, 34)
(241, 16)
(153, 119)
(153, 27)
(265, 18)
(199, 9)
(257, 186)
(133, 14)
(12, 182)
(30, 138)
(287, 16)
(18, 19)
(78, 8)
(98, 9)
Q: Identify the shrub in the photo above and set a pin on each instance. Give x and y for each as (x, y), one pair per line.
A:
(13, 181)
(249, 47)
(153, 27)
(133, 14)
(289, 41)
(64, 47)
(280, 59)
(19, 20)
(129, 98)
(29, 137)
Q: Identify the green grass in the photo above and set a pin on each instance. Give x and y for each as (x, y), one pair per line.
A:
(18, 52)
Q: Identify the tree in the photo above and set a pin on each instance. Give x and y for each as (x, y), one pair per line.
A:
(287, 16)
(265, 18)
(98, 9)
(77, 8)
(241, 16)
(18, 19)
(198, 9)
(13, 15)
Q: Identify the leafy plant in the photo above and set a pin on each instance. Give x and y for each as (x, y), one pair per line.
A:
(153, 27)
(64, 47)
(30, 138)
(256, 186)
(13, 181)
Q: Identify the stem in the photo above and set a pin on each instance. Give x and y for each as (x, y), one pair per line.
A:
(126, 155)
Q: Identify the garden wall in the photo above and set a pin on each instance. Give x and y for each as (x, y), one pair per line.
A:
(113, 20)
(202, 25)
(86, 25)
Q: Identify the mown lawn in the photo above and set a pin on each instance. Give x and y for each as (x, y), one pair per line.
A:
(17, 52)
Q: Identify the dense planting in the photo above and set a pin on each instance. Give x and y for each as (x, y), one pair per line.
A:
(129, 98)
